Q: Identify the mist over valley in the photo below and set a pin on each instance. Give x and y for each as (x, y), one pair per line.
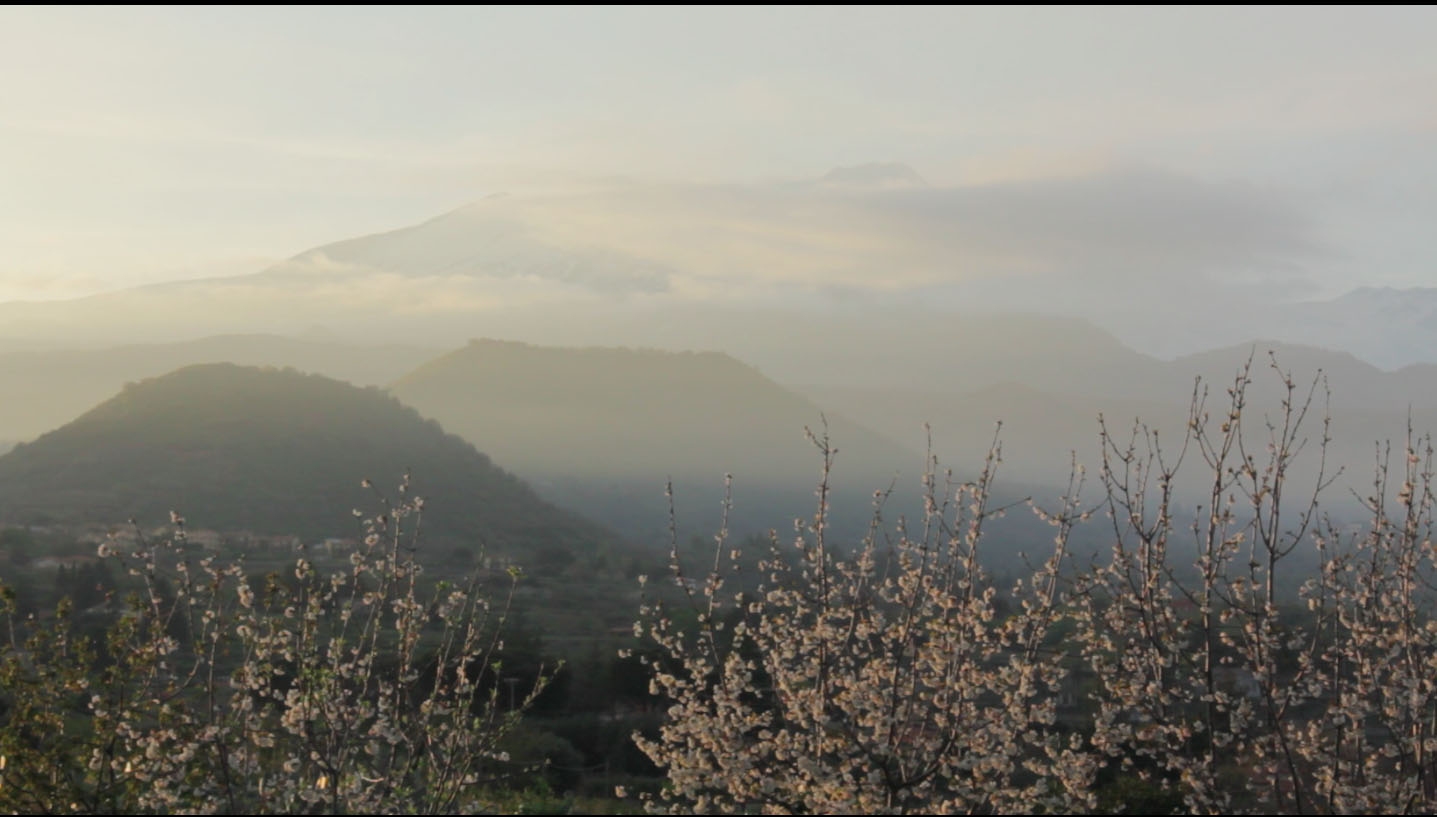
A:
(717, 410)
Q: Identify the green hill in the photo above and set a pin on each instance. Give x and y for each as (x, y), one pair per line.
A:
(274, 451)
(52, 386)
(601, 430)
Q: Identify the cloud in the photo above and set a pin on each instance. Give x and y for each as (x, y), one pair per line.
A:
(1078, 241)
(1138, 229)
(1148, 233)
(1069, 244)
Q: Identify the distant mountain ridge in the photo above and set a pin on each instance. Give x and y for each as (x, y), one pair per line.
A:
(1043, 426)
(475, 241)
(874, 174)
(607, 427)
(851, 258)
(584, 408)
(1389, 327)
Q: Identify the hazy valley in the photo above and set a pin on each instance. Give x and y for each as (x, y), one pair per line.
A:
(779, 410)
(587, 367)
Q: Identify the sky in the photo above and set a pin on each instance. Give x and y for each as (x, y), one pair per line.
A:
(145, 145)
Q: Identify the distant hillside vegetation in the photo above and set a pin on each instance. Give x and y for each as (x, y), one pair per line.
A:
(627, 411)
(273, 451)
(607, 426)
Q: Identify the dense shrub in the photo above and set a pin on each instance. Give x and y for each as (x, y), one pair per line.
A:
(344, 691)
(1170, 667)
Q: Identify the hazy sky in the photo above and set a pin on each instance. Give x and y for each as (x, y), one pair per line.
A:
(141, 145)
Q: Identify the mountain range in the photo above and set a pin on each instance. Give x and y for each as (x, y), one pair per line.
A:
(658, 332)
(864, 257)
